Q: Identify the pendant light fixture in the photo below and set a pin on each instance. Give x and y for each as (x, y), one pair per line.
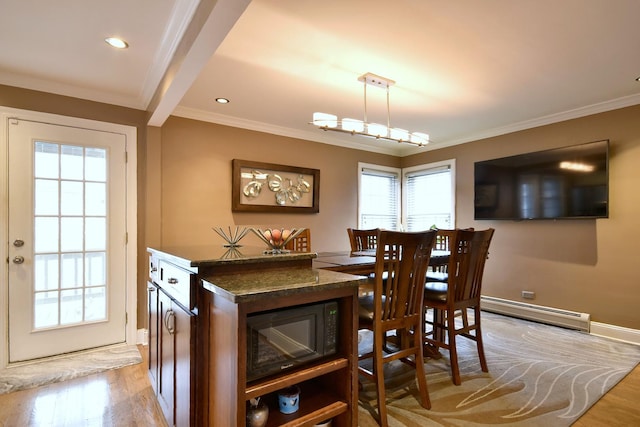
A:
(327, 121)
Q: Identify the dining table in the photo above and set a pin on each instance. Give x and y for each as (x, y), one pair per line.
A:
(362, 263)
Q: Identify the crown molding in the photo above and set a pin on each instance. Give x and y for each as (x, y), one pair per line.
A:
(602, 107)
(403, 150)
(314, 134)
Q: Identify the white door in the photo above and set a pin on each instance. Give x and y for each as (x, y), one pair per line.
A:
(67, 239)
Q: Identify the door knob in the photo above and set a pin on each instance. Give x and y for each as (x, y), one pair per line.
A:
(18, 260)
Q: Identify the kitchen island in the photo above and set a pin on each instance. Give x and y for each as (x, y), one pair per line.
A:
(199, 301)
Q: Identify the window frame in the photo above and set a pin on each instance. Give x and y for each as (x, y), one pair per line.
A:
(402, 174)
(384, 169)
(451, 165)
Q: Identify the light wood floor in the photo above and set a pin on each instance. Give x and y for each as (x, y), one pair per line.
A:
(617, 408)
(120, 397)
(124, 397)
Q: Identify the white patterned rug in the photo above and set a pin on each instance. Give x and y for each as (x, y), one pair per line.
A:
(539, 375)
(67, 367)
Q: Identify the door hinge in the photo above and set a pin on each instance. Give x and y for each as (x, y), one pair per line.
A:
(126, 157)
(126, 318)
(126, 238)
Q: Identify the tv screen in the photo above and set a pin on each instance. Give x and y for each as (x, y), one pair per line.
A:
(568, 182)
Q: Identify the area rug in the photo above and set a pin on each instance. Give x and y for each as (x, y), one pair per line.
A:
(539, 375)
(67, 367)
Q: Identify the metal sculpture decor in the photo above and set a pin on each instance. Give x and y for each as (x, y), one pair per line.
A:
(286, 192)
(267, 187)
(232, 238)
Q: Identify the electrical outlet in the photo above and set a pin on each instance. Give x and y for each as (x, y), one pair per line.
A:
(528, 295)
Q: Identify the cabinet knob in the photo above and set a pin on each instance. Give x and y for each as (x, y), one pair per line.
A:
(172, 280)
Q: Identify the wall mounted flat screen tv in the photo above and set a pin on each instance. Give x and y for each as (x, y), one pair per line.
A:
(563, 183)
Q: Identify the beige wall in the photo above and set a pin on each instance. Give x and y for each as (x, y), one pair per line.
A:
(184, 171)
(582, 265)
(195, 179)
(576, 265)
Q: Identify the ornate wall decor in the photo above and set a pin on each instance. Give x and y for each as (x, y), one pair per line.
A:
(267, 187)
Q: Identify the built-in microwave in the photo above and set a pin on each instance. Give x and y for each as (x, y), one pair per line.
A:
(282, 339)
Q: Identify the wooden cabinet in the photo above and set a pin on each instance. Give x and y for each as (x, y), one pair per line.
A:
(171, 365)
(328, 387)
(199, 302)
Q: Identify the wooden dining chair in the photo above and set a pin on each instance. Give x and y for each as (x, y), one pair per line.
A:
(300, 243)
(396, 304)
(454, 298)
(438, 271)
(363, 240)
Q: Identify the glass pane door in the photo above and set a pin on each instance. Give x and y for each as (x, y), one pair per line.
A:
(67, 234)
(70, 243)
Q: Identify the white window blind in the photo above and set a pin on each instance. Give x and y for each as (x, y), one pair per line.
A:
(379, 204)
(428, 193)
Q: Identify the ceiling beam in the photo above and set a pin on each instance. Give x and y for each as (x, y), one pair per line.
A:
(211, 23)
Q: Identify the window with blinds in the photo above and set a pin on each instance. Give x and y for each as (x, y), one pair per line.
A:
(379, 197)
(428, 192)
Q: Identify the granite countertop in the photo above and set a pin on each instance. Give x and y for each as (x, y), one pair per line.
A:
(215, 255)
(276, 282)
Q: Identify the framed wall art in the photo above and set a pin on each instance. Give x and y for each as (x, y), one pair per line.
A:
(268, 187)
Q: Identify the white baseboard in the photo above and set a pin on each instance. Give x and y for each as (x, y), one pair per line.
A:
(537, 313)
(618, 333)
(559, 317)
(142, 336)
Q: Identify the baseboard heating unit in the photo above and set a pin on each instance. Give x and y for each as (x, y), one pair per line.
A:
(537, 313)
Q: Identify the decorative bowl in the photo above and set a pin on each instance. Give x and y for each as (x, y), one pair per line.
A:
(231, 237)
(277, 238)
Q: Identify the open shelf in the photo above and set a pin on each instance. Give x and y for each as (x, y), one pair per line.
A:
(270, 385)
(316, 405)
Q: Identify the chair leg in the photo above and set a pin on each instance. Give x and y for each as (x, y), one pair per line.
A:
(425, 401)
(453, 353)
(378, 370)
(479, 342)
(438, 324)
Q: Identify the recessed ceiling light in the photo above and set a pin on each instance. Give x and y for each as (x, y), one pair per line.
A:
(222, 100)
(116, 42)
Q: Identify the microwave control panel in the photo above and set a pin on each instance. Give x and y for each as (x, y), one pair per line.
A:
(331, 327)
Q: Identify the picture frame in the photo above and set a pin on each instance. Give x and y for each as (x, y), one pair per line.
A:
(270, 187)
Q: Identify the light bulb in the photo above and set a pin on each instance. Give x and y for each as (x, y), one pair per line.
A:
(325, 120)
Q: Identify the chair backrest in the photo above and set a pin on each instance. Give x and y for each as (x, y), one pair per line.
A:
(362, 240)
(469, 251)
(402, 260)
(300, 243)
(444, 237)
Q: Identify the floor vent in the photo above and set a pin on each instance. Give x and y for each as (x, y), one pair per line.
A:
(538, 313)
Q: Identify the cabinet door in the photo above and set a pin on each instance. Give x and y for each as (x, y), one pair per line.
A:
(166, 376)
(154, 316)
(184, 369)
